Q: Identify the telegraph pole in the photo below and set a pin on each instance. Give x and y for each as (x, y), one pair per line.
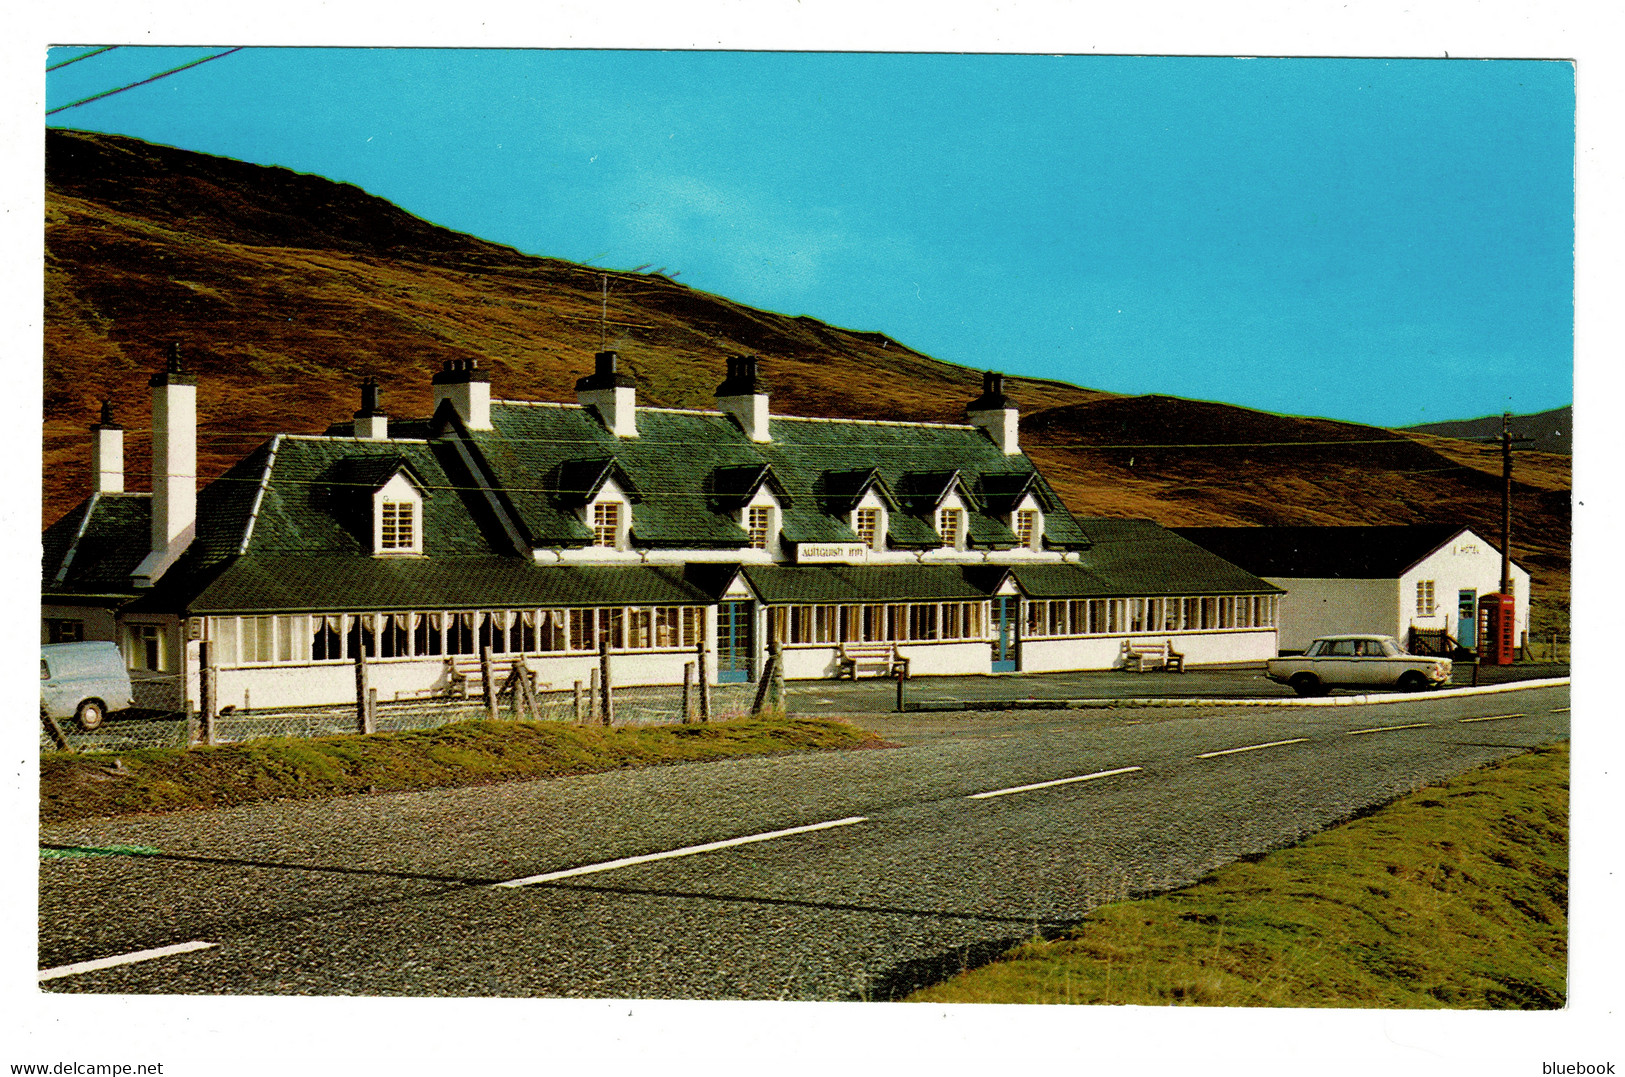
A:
(1506, 502)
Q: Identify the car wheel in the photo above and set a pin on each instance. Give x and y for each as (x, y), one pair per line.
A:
(90, 715)
(1412, 681)
(1307, 684)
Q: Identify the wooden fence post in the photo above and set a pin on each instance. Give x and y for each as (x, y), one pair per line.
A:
(703, 676)
(688, 682)
(54, 731)
(606, 709)
(902, 679)
(372, 711)
(776, 692)
(578, 702)
(592, 695)
(487, 688)
(361, 717)
(206, 689)
(764, 689)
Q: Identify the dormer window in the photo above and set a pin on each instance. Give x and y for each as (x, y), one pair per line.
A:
(867, 525)
(950, 525)
(398, 529)
(397, 516)
(1026, 529)
(759, 525)
(606, 524)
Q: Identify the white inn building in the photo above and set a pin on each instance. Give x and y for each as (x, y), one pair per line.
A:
(543, 528)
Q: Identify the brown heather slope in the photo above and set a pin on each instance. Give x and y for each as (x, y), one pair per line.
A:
(286, 289)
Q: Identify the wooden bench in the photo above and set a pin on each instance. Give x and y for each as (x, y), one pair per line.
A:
(884, 656)
(1141, 655)
(464, 679)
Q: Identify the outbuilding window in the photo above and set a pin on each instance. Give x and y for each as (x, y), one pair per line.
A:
(144, 648)
(1424, 598)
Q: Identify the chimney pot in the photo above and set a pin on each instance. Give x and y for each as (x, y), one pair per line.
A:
(995, 414)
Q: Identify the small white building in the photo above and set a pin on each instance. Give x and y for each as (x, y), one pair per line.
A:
(1389, 580)
(547, 530)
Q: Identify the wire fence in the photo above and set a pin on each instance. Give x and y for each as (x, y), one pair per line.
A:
(633, 705)
(1547, 647)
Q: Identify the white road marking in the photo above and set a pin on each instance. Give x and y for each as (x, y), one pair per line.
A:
(1253, 747)
(1560, 710)
(687, 850)
(121, 959)
(1388, 728)
(1046, 785)
(1491, 718)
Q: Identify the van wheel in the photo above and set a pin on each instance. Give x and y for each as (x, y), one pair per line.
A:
(1412, 681)
(90, 715)
(1307, 684)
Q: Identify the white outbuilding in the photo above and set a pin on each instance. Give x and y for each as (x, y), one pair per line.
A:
(1411, 582)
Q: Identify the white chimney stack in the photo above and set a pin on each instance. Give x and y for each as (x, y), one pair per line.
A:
(371, 424)
(614, 394)
(107, 454)
(995, 415)
(744, 396)
(174, 467)
(469, 390)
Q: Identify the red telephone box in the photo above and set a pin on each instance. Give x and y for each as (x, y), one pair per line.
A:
(1497, 630)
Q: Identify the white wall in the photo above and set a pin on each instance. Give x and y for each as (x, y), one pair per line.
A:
(1467, 561)
(1320, 607)
(1314, 607)
(1106, 652)
(328, 683)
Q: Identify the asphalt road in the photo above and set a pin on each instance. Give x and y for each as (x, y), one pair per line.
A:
(909, 875)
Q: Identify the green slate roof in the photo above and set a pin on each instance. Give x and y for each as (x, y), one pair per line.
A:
(1139, 557)
(779, 585)
(690, 471)
(100, 542)
(338, 582)
(317, 498)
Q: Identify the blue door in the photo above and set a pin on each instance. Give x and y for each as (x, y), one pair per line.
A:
(1006, 608)
(1466, 617)
(733, 642)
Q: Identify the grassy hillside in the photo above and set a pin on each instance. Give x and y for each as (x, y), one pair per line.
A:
(286, 289)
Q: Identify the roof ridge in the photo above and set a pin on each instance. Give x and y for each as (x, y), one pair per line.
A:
(259, 495)
(872, 422)
(73, 546)
(342, 437)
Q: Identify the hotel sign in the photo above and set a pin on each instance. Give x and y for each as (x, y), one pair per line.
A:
(812, 553)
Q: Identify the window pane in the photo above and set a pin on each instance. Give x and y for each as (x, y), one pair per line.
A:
(225, 641)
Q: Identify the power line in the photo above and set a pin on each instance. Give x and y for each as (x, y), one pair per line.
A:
(143, 82)
(81, 56)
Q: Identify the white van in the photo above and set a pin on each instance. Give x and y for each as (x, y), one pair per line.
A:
(83, 680)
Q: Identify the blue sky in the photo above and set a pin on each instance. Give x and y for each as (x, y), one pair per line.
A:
(1385, 241)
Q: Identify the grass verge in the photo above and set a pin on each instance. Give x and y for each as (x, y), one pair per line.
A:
(468, 753)
(1455, 896)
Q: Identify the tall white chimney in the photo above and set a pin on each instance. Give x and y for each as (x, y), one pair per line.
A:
(744, 396)
(107, 454)
(469, 390)
(613, 393)
(995, 414)
(371, 424)
(174, 467)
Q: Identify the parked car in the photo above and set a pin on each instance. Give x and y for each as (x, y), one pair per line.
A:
(84, 681)
(1357, 661)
